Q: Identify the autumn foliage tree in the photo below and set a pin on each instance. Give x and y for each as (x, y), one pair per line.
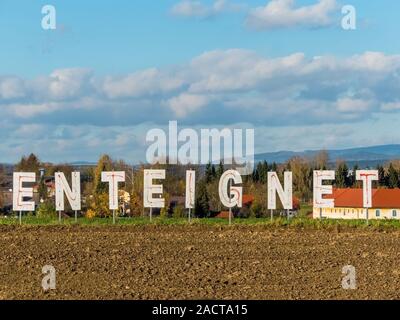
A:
(98, 201)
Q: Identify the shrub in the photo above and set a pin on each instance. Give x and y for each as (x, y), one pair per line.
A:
(90, 214)
(99, 206)
(46, 210)
(179, 212)
(255, 210)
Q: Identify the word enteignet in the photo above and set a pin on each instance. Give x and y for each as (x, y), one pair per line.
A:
(230, 191)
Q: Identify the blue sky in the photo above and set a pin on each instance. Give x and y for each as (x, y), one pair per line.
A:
(114, 69)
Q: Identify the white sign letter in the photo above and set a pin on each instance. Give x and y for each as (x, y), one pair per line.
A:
(19, 192)
(226, 197)
(190, 188)
(320, 189)
(113, 178)
(274, 186)
(73, 196)
(150, 189)
(367, 176)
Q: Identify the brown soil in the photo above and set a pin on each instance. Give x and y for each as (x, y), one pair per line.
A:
(197, 262)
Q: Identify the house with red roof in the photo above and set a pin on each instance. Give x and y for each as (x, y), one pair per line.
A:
(247, 201)
(349, 205)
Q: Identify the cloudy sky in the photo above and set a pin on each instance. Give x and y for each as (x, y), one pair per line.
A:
(114, 69)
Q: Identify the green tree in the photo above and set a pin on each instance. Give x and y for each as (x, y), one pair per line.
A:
(262, 169)
(353, 177)
(255, 177)
(209, 172)
(393, 177)
(104, 164)
(28, 164)
(202, 206)
(220, 170)
(381, 176)
(99, 198)
(342, 175)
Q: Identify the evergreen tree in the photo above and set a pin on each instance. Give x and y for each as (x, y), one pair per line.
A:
(202, 206)
(381, 176)
(263, 172)
(220, 170)
(342, 174)
(255, 175)
(353, 177)
(209, 172)
(393, 178)
(274, 167)
(213, 173)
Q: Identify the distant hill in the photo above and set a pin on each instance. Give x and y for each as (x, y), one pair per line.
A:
(365, 156)
(82, 164)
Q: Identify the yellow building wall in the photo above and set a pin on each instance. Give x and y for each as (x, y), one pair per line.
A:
(356, 213)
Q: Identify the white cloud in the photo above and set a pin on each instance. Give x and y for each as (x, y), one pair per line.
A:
(63, 84)
(11, 88)
(284, 13)
(194, 8)
(353, 105)
(391, 106)
(185, 104)
(143, 83)
(29, 110)
(217, 87)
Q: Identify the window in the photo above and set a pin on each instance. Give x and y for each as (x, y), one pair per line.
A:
(394, 213)
(378, 213)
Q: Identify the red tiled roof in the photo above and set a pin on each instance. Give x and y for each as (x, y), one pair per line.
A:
(247, 199)
(353, 198)
(223, 215)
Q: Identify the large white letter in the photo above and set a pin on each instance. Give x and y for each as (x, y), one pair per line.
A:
(19, 192)
(274, 186)
(225, 196)
(150, 189)
(73, 196)
(190, 188)
(113, 178)
(367, 176)
(320, 189)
